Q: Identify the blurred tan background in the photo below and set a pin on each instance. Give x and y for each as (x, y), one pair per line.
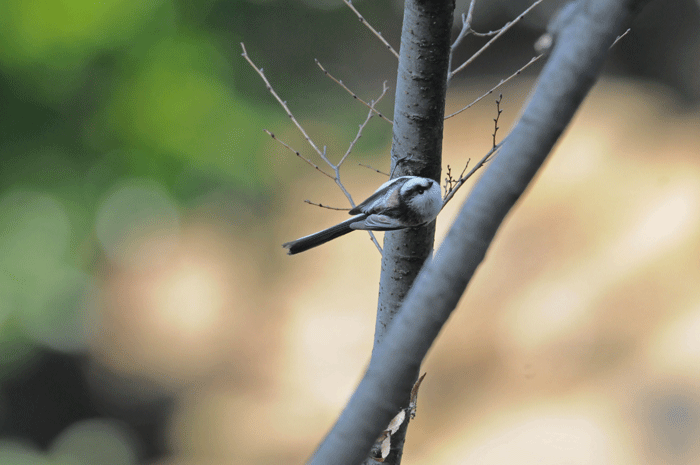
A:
(148, 313)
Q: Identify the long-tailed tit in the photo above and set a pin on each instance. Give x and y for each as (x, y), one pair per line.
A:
(405, 202)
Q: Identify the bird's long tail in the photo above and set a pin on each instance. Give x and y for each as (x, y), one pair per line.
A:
(321, 237)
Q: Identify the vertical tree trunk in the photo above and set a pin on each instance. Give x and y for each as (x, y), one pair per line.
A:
(416, 150)
(419, 111)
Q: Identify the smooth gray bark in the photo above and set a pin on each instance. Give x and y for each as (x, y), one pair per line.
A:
(416, 150)
(419, 112)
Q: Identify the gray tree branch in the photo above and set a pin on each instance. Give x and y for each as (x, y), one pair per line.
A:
(582, 38)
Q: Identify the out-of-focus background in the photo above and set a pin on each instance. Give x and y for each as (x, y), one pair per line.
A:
(149, 315)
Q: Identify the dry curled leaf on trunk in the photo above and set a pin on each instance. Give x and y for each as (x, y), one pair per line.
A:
(396, 422)
(385, 438)
(413, 404)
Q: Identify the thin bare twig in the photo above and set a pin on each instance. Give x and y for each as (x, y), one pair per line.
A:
(354, 95)
(369, 26)
(454, 186)
(498, 116)
(374, 169)
(336, 167)
(364, 123)
(500, 32)
(376, 242)
(546, 41)
(466, 27)
(296, 152)
(503, 81)
(277, 97)
(413, 404)
(620, 37)
(449, 180)
(487, 34)
(326, 206)
(462, 179)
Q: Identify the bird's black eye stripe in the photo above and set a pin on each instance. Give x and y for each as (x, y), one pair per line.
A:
(419, 188)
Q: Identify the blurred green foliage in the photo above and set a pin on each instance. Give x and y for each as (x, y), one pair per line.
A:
(119, 114)
(98, 94)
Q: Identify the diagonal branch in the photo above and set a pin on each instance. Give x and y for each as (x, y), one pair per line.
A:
(369, 26)
(281, 102)
(354, 95)
(296, 152)
(466, 27)
(364, 123)
(501, 31)
(503, 81)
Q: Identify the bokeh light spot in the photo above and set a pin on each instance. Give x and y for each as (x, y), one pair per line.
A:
(94, 442)
(138, 223)
(56, 317)
(34, 230)
(15, 453)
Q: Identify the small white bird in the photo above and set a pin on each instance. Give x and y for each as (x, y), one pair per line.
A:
(405, 202)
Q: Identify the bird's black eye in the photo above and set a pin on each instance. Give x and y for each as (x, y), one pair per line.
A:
(418, 189)
(422, 188)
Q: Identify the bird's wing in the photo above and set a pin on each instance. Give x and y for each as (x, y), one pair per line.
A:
(380, 198)
(377, 223)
